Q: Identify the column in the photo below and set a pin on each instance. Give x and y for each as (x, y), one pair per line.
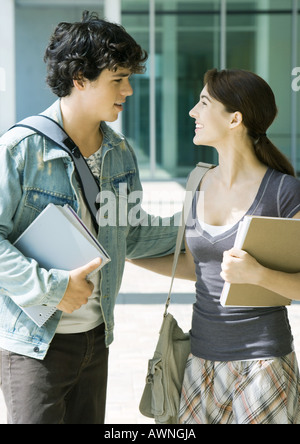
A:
(263, 41)
(169, 91)
(223, 34)
(112, 10)
(112, 13)
(152, 86)
(7, 65)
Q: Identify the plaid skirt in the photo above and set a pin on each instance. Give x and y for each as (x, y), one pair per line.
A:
(241, 392)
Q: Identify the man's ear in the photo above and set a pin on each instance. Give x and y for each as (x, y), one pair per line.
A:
(79, 83)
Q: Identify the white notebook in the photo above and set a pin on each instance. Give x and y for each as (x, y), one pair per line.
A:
(58, 239)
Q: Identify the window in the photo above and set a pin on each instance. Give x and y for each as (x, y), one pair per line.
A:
(191, 37)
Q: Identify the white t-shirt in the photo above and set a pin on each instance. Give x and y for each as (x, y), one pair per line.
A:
(89, 316)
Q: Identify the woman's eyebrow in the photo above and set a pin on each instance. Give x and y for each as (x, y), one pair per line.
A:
(205, 97)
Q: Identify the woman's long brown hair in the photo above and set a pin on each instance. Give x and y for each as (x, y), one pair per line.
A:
(246, 92)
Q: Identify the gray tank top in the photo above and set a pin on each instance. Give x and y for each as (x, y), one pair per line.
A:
(230, 334)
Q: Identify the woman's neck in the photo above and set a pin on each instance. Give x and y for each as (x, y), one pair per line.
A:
(237, 162)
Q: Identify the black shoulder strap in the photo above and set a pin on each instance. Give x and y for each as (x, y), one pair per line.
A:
(50, 129)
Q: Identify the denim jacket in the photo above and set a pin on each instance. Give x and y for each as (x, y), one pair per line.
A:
(35, 172)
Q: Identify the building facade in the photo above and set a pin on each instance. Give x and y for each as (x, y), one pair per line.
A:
(184, 38)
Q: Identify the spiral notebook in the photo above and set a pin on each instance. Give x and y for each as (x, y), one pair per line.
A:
(58, 239)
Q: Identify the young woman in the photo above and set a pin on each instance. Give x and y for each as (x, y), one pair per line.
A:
(242, 368)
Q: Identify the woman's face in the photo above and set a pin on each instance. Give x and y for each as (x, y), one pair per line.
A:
(211, 119)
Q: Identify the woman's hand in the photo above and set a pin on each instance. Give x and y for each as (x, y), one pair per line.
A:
(238, 267)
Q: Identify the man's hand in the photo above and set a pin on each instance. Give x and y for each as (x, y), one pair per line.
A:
(79, 288)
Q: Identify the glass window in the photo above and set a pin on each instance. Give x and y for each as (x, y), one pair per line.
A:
(188, 43)
(259, 36)
(187, 37)
(136, 116)
(296, 92)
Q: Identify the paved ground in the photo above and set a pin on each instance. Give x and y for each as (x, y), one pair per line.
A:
(138, 317)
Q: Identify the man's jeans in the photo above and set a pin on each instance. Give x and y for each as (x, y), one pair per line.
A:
(67, 387)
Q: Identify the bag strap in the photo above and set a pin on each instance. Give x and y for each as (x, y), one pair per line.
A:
(192, 184)
(49, 128)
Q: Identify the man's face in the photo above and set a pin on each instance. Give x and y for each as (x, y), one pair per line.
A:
(104, 97)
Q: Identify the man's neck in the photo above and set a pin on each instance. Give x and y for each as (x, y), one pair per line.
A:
(87, 135)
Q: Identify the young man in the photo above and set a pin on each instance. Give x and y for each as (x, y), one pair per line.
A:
(58, 373)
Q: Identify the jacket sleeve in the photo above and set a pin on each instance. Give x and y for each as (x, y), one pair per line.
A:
(146, 240)
(149, 236)
(21, 279)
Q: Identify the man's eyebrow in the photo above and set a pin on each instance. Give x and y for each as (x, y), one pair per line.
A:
(123, 74)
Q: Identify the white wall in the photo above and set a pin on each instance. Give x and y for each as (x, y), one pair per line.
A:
(7, 65)
(34, 26)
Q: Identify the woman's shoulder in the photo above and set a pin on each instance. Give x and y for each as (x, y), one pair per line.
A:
(287, 190)
(285, 181)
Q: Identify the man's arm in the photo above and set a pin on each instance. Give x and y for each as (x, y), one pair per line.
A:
(163, 265)
(21, 278)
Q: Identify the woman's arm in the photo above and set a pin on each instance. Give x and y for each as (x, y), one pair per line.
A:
(239, 267)
(163, 265)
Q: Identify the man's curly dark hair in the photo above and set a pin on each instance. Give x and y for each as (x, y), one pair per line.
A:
(84, 49)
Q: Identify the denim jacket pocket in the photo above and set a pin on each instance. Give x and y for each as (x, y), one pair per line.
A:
(114, 200)
(122, 184)
(35, 201)
(38, 199)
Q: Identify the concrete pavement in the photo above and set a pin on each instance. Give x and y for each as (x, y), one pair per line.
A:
(138, 316)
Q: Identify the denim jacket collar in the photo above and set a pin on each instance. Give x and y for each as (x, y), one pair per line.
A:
(52, 152)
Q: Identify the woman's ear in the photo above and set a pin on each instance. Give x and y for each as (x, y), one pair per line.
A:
(236, 119)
